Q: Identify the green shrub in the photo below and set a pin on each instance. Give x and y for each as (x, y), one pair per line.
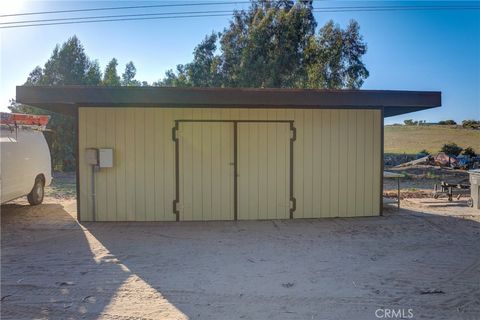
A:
(469, 152)
(447, 122)
(432, 175)
(451, 149)
(410, 122)
(471, 124)
(424, 151)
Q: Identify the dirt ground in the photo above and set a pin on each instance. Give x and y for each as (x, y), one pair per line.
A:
(425, 257)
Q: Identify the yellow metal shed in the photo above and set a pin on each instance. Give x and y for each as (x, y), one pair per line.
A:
(227, 154)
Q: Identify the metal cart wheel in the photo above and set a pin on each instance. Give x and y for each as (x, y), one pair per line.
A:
(470, 202)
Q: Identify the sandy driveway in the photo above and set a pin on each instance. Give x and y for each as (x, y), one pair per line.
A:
(55, 268)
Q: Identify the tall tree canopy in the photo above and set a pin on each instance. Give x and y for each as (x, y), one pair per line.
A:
(68, 65)
(274, 44)
(128, 77)
(110, 77)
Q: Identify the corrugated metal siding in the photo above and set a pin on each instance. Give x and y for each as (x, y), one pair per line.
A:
(336, 164)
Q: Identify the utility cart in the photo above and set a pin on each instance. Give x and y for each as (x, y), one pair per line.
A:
(451, 190)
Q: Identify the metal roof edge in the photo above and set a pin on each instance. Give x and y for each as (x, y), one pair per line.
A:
(62, 98)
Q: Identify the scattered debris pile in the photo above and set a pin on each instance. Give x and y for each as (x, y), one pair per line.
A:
(442, 159)
(394, 159)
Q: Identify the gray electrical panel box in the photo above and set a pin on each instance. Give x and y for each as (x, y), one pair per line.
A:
(105, 158)
(91, 156)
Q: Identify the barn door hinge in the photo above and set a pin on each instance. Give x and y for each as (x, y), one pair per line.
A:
(293, 206)
(176, 210)
(293, 133)
(175, 132)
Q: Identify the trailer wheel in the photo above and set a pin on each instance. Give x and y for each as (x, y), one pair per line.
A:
(470, 202)
(35, 197)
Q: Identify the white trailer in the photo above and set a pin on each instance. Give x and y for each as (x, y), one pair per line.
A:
(25, 157)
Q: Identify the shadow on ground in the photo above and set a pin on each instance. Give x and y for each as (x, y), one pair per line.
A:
(55, 268)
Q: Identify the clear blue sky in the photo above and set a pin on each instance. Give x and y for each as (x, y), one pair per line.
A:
(407, 50)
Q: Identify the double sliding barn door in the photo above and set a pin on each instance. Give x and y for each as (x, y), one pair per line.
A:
(230, 170)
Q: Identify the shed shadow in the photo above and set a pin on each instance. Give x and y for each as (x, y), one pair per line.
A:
(53, 267)
(255, 269)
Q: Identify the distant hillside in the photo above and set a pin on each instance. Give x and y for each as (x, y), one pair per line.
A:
(412, 139)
